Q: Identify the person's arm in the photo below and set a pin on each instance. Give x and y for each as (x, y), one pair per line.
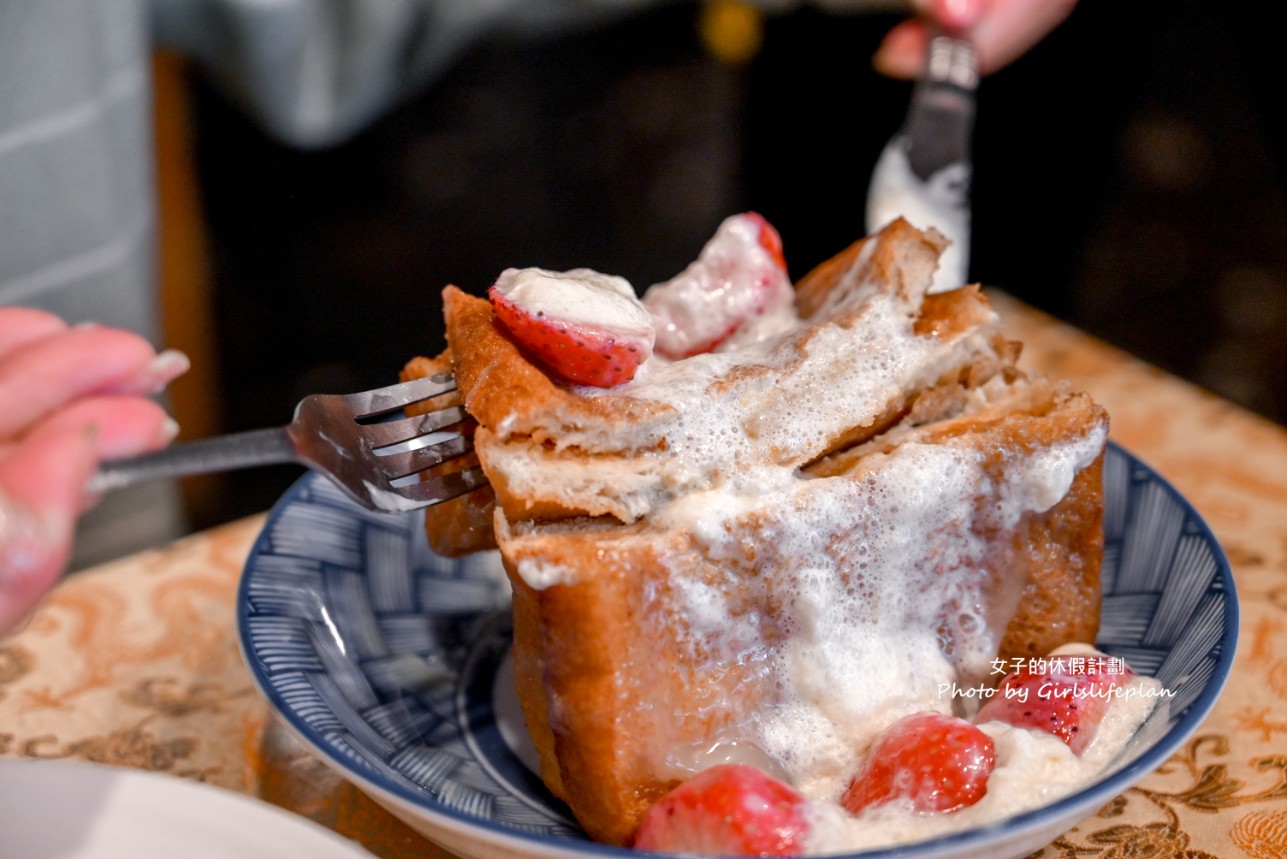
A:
(314, 72)
(69, 398)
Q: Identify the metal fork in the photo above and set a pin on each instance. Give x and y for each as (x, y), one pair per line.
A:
(924, 172)
(377, 462)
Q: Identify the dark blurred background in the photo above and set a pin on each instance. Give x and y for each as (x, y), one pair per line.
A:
(1129, 179)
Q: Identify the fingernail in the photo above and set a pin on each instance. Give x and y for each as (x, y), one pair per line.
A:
(162, 370)
(901, 53)
(169, 431)
(168, 365)
(960, 14)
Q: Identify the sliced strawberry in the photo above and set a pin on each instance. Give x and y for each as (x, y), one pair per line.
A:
(585, 327)
(739, 276)
(727, 810)
(1065, 695)
(940, 763)
(770, 239)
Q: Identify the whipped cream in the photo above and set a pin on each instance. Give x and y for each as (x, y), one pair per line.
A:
(581, 296)
(1033, 769)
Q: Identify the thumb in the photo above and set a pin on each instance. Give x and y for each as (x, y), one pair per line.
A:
(958, 14)
(42, 482)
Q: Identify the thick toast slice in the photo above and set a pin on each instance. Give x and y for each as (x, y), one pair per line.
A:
(775, 551)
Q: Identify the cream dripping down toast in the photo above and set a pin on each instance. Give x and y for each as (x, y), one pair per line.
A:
(771, 551)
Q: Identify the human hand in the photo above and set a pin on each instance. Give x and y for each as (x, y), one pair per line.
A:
(1001, 30)
(69, 398)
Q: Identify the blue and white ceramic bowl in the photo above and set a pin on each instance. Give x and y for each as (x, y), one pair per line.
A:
(391, 663)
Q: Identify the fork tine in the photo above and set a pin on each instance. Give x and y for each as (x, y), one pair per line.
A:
(380, 401)
(397, 465)
(444, 487)
(404, 429)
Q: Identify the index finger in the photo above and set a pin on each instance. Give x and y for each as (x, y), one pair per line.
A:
(46, 374)
(22, 325)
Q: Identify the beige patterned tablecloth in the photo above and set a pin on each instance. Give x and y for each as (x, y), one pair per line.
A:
(136, 663)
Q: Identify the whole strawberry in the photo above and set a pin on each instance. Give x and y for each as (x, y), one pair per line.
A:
(939, 763)
(586, 328)
(727, 810)
(1064, 695)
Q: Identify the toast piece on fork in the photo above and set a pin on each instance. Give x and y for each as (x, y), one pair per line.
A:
(462, 525)
(778, 550)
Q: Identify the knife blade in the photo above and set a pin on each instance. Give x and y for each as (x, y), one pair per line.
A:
(924, 172)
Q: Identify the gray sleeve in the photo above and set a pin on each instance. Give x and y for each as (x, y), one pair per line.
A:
(314, 72)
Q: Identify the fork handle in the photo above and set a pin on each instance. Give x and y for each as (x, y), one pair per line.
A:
(205, 456)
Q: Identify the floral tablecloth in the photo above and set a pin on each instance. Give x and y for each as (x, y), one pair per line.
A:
(136, 663)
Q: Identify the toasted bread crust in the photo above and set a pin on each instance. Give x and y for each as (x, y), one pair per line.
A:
(901, 256)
